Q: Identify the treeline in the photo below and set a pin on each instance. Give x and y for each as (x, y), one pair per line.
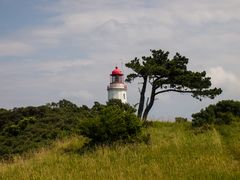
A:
(28, 128)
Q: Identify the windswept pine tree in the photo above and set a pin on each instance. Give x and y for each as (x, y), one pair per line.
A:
(167, 75)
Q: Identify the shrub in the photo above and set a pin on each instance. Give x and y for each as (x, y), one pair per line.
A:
(25, 121)
(12, 130)
(123, 106)
(224, 112)
(27, 128)
(113, 123)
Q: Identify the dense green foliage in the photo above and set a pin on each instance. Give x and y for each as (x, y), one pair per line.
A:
(28, 128)
(168, 75)
(224, 112)
(115, 122)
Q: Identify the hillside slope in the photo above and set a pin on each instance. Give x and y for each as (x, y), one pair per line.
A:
(175, 152)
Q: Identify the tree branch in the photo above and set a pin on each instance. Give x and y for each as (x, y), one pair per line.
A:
(175, 90)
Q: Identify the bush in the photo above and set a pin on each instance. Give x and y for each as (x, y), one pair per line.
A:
(27, 128)
(224, 112)
(12, 130)
(113, 123)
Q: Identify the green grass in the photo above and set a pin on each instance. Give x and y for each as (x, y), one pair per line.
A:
(175, 152)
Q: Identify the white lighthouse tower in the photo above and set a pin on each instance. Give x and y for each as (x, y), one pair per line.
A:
(117, 89)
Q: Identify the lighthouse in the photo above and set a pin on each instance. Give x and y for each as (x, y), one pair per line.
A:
(117, 89)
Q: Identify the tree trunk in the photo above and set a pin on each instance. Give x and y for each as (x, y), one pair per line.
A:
(142, 97)
(149, 106)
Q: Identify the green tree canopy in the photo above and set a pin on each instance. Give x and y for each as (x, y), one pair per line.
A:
(167, 75)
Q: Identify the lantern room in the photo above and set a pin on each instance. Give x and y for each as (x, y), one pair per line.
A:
(116, 76)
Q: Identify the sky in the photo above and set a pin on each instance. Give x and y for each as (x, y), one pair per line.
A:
(66, 49)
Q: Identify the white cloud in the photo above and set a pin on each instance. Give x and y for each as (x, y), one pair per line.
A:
(82, 94)
(200, 12)
(56, 66)
(226, 80)
(12, 48)
(126, 25)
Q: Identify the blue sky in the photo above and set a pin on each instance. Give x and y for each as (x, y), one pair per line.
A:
(50, 50)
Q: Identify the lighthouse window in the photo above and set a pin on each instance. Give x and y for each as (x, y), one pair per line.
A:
(124, 96)
(117, 79)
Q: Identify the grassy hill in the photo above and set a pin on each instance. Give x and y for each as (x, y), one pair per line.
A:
(175, 152)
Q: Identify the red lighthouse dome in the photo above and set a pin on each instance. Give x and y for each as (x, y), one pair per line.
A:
(117, 72)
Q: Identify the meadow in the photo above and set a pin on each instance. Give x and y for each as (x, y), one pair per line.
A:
(175, 151)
